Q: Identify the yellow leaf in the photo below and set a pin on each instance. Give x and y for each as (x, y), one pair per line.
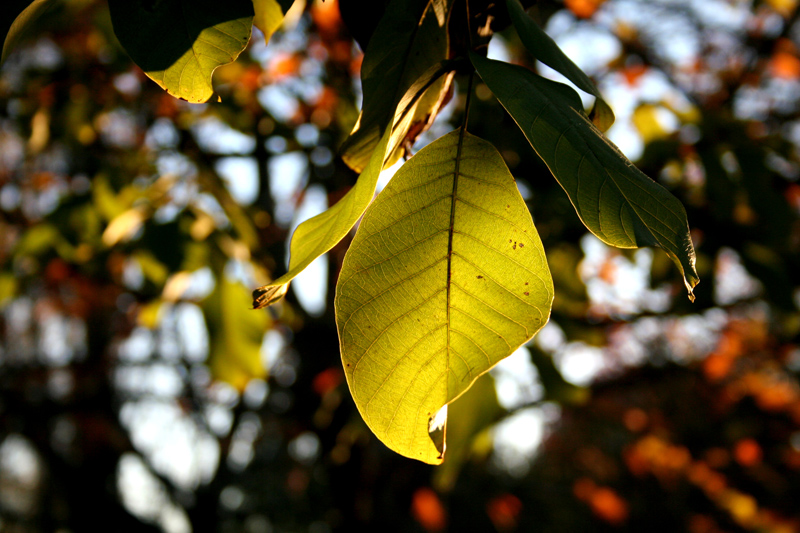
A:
(446, 276)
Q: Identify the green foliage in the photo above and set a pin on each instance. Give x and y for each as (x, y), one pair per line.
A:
(614, 199)
(180, 43)
(446, 275)
(318, 235)
(411, 39)
(468, 421)
(547, 51)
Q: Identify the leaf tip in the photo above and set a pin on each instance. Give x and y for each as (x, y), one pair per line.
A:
(437, 428)
(690, 285)
(268, 295)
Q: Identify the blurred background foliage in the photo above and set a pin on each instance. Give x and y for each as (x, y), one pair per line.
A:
(138, 391)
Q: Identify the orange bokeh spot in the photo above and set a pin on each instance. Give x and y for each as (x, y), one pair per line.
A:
(355, 65)
(326, 17)
(583, 8)
(504, 511)
(327, 380)
(778, 396)
(731, 343)
(608, 272)
(633, 73)
(717, 366)
(702, 524)
(583, 488)
(784, 62)
(57, 271)
(635, 420)
(283, 66)
(428, 510)
(637, 463)
(793, 195)
(604, 502)
(608, 506)
(717, 457)
(747, 452)
(791, 458)
(249, 80)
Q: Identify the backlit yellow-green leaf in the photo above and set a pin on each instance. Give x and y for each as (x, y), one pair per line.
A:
(179, 43)
(269, 15)
(8, 288)
(646, 120)
(446, 276)
(614, 200)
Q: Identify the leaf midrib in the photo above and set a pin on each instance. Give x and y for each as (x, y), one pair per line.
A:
(451, 232)
(609, 177)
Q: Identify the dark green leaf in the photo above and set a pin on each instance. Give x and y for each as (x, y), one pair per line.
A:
(413, 38)
(179, 43)
(615, 200)
(23, 26)
(543, 48)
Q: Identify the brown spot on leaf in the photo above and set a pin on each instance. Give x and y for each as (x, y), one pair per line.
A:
(514, 247)
(527, 293)
(521, 245)
(526, 283)
(480, 277)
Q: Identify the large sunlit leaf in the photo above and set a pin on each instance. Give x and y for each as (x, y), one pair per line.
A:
(413, 38)
(179, 43)
(25, 24)
(446, 276)
(269, 15)
(543, 48)
(614, 200)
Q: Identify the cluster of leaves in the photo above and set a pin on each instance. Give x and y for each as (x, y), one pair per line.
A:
(691, 424)
(447, 274)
